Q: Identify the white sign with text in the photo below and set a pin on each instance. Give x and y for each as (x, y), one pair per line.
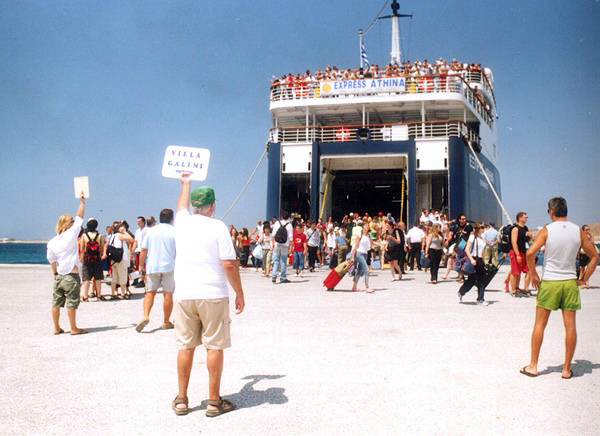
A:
(82, 187)
(180, 159)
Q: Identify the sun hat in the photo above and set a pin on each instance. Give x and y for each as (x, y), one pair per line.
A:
(203, 196)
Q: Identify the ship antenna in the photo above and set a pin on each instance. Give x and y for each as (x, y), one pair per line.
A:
(395, 53)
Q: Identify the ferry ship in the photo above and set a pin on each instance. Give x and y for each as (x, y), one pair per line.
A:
(390, 143)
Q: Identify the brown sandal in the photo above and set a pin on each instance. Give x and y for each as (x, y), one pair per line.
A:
(179, 411)
(222, 405)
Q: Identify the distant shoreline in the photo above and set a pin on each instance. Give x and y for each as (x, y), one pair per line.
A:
(23, 242)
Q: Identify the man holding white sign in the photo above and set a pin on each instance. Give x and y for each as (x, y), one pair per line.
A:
(205, 261)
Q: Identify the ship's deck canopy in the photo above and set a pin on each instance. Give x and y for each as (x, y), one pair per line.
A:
(382, 112)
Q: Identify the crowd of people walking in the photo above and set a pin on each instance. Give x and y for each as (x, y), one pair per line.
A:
(193, 257)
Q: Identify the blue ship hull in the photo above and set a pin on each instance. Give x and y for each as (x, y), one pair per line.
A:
(468, 190)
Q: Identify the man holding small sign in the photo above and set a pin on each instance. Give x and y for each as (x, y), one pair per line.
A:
(205, 262)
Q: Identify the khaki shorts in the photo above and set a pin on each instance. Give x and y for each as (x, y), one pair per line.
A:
(203, 322)
(119, 272)
(165, 280)
(66, 289)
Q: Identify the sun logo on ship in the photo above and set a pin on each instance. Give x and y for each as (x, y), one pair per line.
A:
(326, 87)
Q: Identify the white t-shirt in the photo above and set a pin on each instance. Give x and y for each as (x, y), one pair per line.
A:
(364, 244)
(331, 240)
(63, 249)
(160, 243)
(415, 235)
(139, 238)
(266, 242)
(313, 237)
(201, 243)
(288, 226)
(116, 242)
(477, 246)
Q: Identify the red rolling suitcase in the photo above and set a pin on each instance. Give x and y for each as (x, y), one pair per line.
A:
(332, 279)
(336, 275)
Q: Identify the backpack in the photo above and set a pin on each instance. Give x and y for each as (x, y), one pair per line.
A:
(281, 235)
(92, 250)
(504, 243)
(113, 253)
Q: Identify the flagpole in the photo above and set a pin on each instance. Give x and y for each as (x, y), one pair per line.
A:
(360, 44)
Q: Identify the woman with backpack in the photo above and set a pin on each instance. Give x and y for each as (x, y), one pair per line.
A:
(91, 255)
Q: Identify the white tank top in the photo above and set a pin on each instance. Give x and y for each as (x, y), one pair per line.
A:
(562, 247)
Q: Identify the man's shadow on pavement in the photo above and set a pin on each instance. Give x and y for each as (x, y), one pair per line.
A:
(250, 397)
(579, 367)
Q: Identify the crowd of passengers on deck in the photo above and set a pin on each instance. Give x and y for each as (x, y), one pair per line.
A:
(411, 71)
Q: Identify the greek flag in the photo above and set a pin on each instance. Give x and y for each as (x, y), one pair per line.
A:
(363, 56)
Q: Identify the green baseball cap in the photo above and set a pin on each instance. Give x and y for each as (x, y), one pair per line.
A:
(202, 196)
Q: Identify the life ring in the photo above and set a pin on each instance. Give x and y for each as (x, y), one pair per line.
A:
(342, 134)
(301, 90)
(425, 84)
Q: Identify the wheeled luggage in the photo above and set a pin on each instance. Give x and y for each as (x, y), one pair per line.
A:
(490, 272)
(332, 279)
(336, 275)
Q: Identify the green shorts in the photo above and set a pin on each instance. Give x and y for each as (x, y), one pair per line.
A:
(66, 289)
(559, 294)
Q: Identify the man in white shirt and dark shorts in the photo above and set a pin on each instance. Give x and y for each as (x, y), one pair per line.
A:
(559, 287)
(205, 262)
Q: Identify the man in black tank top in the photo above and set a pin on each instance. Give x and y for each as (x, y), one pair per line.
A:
(519, 236)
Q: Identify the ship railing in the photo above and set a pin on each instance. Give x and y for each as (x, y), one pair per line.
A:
(426, 84)
(480, 77)
(374, 132)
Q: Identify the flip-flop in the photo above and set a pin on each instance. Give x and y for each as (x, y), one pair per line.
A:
(59, 332)
(527, 373)
(570, 375)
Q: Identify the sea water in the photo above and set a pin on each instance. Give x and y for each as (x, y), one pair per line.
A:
(15, 252)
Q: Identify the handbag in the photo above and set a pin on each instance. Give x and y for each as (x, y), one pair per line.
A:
(425, 261)
(113, 253)
(461, 244)
(342, 268)
(257, 252)
(465, 267)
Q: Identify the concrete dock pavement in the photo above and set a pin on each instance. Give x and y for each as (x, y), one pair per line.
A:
(406, 359)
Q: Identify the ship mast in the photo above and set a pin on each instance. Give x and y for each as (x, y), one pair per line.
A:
(395, 55)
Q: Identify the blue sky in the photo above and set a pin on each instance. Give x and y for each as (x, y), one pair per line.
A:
(101, 88)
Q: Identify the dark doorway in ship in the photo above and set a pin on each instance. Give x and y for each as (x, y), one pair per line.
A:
(368, 191)
(295, 194)
(432, 191)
